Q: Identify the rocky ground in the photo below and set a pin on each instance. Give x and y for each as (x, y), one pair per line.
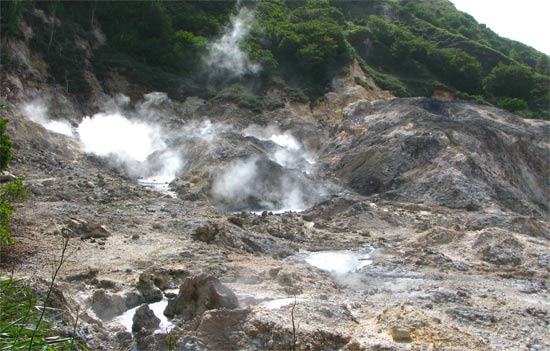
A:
(446, 201)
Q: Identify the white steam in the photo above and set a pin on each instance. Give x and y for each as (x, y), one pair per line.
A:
(133, 140)
(278, 180)
(290, 153)
(235, 183)
(252, 184)
(37, 111)
(225, 57)
(112, 134)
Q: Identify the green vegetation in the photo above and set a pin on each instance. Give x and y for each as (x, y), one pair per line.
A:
(245, 98)
(498, 81)
(5, 145)
(9, 192)
(11, 11)
(409, 47)
(12, 192)
(421, 46)
(23, 312)
(302, 42)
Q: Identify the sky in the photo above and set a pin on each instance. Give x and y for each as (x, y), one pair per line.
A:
(527, 21)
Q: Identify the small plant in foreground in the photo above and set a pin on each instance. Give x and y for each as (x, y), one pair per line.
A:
(22, 319)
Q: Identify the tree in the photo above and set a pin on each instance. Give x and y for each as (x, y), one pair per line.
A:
(514, 80)
(11, 11)
(543, 65)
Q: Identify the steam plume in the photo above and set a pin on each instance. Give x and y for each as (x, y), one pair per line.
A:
(37, 111)
(225, 57)
(132, 139)
(277, 181)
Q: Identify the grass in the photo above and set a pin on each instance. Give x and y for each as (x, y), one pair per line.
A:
(23, 312)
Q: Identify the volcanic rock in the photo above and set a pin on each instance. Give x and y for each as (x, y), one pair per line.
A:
(198, 294)
(400, 333)
(145, 319)
(106, 306)
(87, 230)
(147, 288)
(449, 153)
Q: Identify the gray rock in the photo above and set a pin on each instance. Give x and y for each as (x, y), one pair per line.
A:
(206, 233)
(133, 299)
(198, 294)
(400, 333)
(145, 320)
(447, 153)
(147, 288)
(106, 306)
(6, 177)
(357, 109)
(471, 314)
(86, 230)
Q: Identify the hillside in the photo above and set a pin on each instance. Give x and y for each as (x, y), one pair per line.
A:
(411, 48)
(270, 175)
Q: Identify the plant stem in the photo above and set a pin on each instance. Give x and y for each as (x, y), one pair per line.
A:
(50, 289)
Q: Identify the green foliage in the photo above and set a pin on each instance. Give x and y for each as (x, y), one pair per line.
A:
(245, 98)
(516, 81)
(169, 35)
(10, 193)
(398, 50)
(457, 68)
(305, 43)
(543, 65)
(512, 104)
(6, 214)
(23, 324)
(11, 12)
(423, 44)
(363, 83)
(15, 191)
(5, 146)
(55, 41)
(408, 47)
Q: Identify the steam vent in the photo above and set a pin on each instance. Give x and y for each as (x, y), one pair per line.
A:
(273, 175)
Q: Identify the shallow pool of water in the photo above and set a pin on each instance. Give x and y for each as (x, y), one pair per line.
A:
(337, 262)
(160, 184)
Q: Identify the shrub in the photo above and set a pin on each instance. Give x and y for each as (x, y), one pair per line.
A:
(512, 104)
(11, 193)
(513, 80)
(5, 146)
(11, 11)
(23, 323)
(241, 97)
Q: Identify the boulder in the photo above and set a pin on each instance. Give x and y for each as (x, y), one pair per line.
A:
(107, 306)
(87, 230)
(6, 177)
(198, 294)
(357, 109)
(400, 333)
(145, 320)
(146, 286)
(206, 233)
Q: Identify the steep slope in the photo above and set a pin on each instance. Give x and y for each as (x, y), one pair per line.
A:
(447, 153)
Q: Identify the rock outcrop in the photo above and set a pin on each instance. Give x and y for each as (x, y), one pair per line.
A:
(450, 153)
(198, 294)
(145, 320)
